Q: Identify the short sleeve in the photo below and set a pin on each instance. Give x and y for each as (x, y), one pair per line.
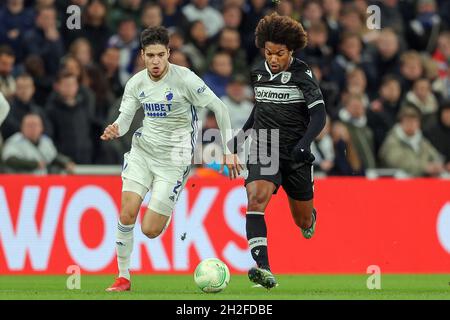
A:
(130, 103)
(197, 92)
(310, 87)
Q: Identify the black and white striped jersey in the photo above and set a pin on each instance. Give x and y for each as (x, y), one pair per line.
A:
(282, 101)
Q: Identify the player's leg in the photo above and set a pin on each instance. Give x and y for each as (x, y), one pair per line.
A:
(260, 188)
(136, 179)
(298, 182)
(132, 196)
(304, 216)
(167, 186)
(154, 222)
(259, 193)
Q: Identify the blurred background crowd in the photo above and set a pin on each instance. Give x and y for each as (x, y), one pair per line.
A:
(386, 91)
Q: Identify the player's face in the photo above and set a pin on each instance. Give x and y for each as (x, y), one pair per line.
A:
(278, 56)
(156, 59)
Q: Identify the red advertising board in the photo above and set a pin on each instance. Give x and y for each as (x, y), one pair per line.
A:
(50, 223)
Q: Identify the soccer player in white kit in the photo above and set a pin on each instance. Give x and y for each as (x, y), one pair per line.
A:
(162, 149)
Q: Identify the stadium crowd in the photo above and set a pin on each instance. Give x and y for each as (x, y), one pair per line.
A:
(386, 90)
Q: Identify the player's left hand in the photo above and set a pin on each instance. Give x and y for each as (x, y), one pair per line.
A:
(302, 155)
(233, 165)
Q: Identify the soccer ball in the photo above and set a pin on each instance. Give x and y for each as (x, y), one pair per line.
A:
(212, 275)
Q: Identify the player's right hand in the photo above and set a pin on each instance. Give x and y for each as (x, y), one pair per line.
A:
(233, 164)
(111, 132)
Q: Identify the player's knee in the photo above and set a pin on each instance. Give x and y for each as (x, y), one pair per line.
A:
(151, 231)
(127, 217)
(258, 200)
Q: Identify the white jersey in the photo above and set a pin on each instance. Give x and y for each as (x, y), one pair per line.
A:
(170, 127)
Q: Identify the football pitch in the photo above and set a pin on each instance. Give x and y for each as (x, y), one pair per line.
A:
(182, 287)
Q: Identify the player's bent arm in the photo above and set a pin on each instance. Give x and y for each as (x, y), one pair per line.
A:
(223, 120)
(4, 108)
(317, 122)
(124, 122)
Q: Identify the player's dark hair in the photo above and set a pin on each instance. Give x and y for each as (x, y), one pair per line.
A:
(155, 35)
(280, 30)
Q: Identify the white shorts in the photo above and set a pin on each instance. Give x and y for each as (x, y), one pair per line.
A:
(140, 174)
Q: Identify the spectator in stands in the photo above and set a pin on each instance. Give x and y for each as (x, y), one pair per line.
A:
(95, 28)
(151, 16)
(356, 83)
(422, 32)
(109, 64)
(323, 149)
(391, 16)
(132, 9)
(15, 20)
(442, 54)
(439, 133)
(22, 103)
(331, 11)
(29, 151)
(312, 13)
(200, 10)
(353, 20)
(411, 69)
(387, 104)
(350, 57)
(176, 40)
(236, 100)
(346, 158)
(179, 58)
(230, 42)
(232, 16)
(353, 115)
(220, 73)
(73, 66)
(256, 11)
(172, 14)
(81, 50)
(71, 115)
(317, 46)
(127, 41)
(386, 58)
(405, 147)
(7, 82)
(45, 40)
(423, 99)
(197, 46)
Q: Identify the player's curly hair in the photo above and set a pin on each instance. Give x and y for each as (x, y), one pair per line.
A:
(154, 35)
(281, 30)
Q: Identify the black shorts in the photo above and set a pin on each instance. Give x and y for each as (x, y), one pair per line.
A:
(296, 178)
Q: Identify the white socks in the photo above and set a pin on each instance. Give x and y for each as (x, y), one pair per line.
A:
(124, 247)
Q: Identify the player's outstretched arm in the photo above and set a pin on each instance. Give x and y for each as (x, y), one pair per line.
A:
(235, 144)
(118, 128)
(223, 121)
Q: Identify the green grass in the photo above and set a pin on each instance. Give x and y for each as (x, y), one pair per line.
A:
(174, 287)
